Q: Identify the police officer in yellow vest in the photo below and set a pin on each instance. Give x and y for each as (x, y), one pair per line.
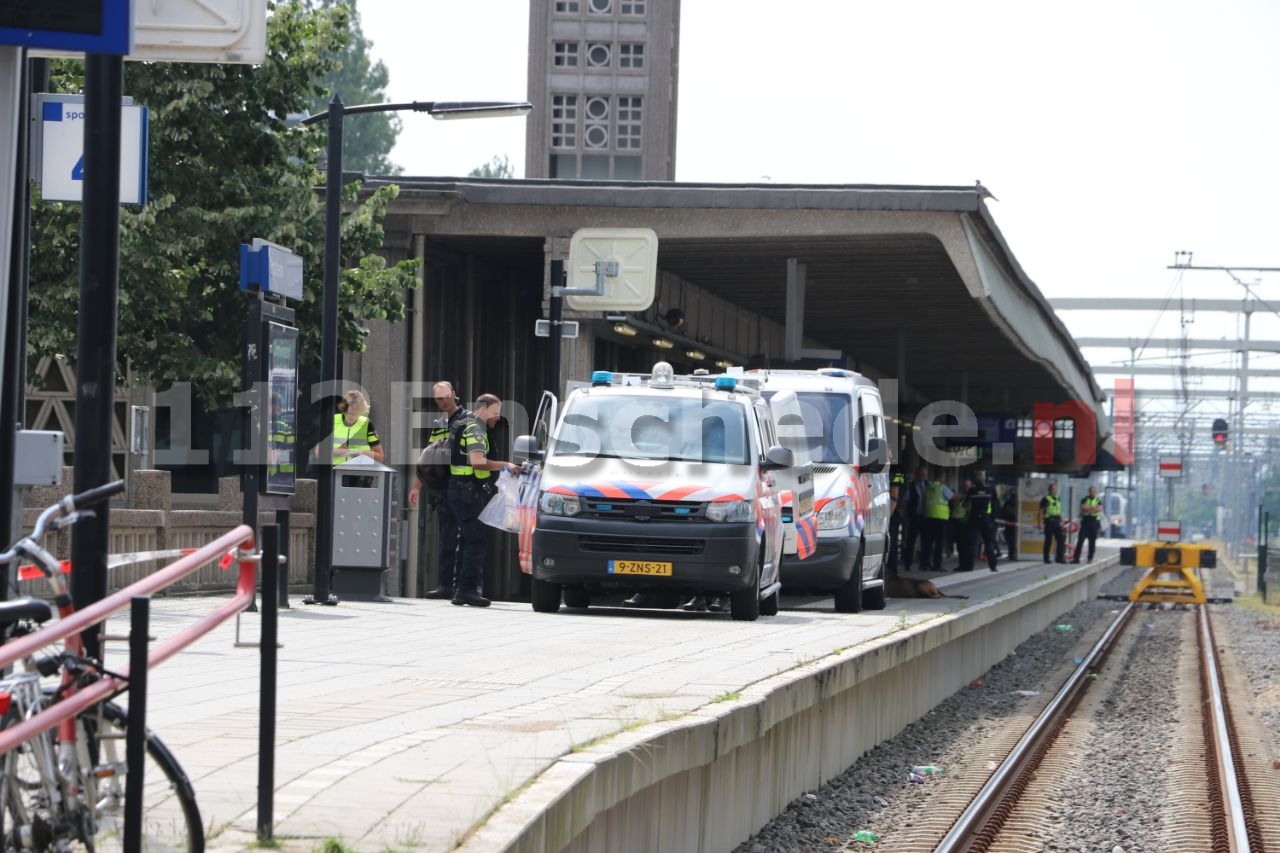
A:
(353, 432)
(1090, 523)
(1051, 520)
(470, 487)
(937, 497)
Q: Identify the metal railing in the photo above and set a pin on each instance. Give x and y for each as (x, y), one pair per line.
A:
(237, 545)
(110, 685)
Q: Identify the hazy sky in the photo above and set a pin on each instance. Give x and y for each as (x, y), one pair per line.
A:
(1113, 133)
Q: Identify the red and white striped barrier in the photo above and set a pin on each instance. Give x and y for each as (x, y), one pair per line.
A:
(114, 561)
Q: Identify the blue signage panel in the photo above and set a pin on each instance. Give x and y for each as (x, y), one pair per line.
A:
(990, 429)
(79, 26)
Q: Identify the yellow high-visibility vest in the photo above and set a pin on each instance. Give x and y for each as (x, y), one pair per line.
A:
(935, 504)
(353, 437)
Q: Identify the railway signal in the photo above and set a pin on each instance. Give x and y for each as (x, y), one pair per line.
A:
(1220, 433)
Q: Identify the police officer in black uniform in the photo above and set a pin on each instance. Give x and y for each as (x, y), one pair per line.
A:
(435, 479)
(911, 499)
(897, 487)
(982, 505)
(1009, 519)
(471, 482)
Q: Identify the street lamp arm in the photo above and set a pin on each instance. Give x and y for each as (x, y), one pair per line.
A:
(437, 109)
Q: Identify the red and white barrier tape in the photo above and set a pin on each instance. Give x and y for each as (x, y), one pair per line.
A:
(114, 561)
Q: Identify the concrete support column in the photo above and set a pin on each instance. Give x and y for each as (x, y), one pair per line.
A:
(417, 378)
(793, 340)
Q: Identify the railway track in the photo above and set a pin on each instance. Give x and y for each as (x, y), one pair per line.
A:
(1022, 785)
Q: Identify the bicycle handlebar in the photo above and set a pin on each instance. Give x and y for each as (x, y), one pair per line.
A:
(91, 497)
(64, 507)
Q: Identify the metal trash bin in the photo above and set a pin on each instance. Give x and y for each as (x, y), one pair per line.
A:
(366, 528)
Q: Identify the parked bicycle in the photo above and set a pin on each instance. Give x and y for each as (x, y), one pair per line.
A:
(63, 789)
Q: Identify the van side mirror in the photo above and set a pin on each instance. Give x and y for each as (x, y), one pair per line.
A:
(777, 458)
(525, 449)
(876, 458)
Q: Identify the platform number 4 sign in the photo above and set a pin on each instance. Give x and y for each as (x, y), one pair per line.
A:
(59, 166)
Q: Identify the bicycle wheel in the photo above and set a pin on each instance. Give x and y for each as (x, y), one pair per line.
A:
(170, 815)
(29, 816)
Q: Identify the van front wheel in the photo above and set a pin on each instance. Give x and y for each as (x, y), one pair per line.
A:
(544, 595)
(744, 606)
(849, 596)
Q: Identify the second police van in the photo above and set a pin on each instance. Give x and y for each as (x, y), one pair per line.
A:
(663, 484)
(844, 422)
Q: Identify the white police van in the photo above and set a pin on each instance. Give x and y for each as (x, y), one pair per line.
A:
(658, 483)
(844, 423)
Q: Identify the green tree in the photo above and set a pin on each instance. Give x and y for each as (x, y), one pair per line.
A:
(498, 167)
(357, 79)
(224, 168)
(1270, 498)
(1195, 508)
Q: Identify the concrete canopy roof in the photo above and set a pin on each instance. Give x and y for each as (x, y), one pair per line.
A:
(926, 263)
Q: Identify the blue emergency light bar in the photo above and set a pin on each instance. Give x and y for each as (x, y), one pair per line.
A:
(726, 383)
(601, 377)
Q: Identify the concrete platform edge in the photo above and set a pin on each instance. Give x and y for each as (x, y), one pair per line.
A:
(708, 779)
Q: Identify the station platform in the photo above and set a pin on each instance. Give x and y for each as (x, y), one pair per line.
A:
(417, 725)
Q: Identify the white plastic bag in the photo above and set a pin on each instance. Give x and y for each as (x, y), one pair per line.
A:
(503, 511)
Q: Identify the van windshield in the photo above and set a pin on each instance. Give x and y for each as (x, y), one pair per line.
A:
(654, 428)
(828, 426)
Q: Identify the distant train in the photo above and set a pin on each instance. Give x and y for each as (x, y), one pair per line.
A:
(1114, 517)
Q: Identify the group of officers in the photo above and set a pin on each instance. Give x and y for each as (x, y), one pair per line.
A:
(456, 492)
(928, 509)
(1054, 533)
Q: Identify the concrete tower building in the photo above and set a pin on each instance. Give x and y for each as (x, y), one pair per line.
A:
(603, 82)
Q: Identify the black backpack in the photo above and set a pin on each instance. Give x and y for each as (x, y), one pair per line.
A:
(433, 463)
(434, 460)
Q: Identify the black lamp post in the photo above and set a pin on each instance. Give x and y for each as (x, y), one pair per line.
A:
(332, 259)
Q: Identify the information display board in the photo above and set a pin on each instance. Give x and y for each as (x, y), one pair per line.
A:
(79, 26)
(1030, 538)
(282, 409)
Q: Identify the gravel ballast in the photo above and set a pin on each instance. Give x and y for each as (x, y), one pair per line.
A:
(1119, 801)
